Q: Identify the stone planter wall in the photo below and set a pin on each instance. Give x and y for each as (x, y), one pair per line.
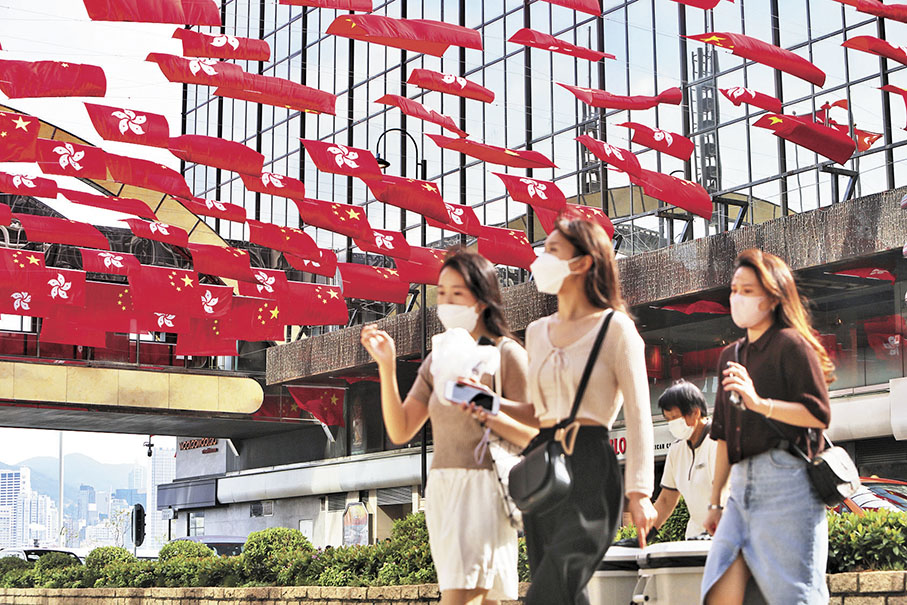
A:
(868, 588)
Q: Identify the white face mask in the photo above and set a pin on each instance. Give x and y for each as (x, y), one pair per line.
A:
(679, 428)
(458, 316)
(745, 310)
(550, 272)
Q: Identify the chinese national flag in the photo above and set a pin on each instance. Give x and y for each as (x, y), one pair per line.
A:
(423, 265)
(325, 264)
(571, 211)
(417, 196)
(590, 7)
(58, 331)
(764, 53)
(389, 243)
(877, 46)
(129, 126)
(506, 247)
(159, 232)
(538, 194)
(32, 79)
(112, 263)
(71, 159)
(672, 190)
(13, 262)
(308, 304)
(147, 174)
(274, 184)
(324, 403)
(460, 218)
(33, 186)
(205, 338)
(344, 219)
(826, 141)
(222, 261)
(18, 137)
(51, 230)
(280, 92)
(214, 208)
(253, 319)
(109, 309)
(164, 289)
(201, 12)
(524, 158)
(372, 283)
(109, 202)
(418, 35)
(363, 6)
(217, 152)
(270, 284)
(285, 239)
(340, 159)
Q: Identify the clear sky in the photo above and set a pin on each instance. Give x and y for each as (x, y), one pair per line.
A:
(60, 30)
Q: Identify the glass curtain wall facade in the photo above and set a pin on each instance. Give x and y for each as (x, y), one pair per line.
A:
(747, 170)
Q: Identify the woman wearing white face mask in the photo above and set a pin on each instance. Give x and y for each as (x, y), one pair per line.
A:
(566, 543)
(473, 546)
(772, 536)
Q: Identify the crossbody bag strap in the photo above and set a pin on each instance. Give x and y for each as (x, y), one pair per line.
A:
(566, 430)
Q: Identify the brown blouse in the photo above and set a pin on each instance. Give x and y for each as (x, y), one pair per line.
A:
(783, 366)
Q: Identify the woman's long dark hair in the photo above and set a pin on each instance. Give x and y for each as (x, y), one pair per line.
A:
(481, 278)
(602, 286)
(791, 311)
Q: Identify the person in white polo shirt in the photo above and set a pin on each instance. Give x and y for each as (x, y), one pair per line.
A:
(690, 465)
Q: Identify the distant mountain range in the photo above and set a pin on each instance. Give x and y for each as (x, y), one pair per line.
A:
(77, 469)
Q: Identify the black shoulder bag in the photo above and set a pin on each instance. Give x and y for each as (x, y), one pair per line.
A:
(831, 471)
(542, 479)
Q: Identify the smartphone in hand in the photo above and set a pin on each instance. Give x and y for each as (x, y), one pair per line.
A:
(458, 392)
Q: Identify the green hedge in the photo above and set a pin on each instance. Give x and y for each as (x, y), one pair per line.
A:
(876, 541)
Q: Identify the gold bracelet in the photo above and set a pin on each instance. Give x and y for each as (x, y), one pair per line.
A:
(771, 407)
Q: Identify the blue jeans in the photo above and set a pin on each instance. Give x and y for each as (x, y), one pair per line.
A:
(777, 522)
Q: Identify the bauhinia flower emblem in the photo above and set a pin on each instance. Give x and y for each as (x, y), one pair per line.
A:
(59, 287)
(344, 156)
(23, 181)
(661, 135)
(384, 241)
(739, 91)
(111, 260)
(21, 300)
(215, 204)
(69, 156)
(224, 40)
(535, 189)
(165, 320)
(893, 346)
(209, 301)
(455, 214)
(205, 65)
(265, 282)
(269, 178)
(159, 228)
(611, 150)
(450, 79)
(129, 120)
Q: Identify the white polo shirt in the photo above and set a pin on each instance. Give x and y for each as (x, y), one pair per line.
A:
(690, 471)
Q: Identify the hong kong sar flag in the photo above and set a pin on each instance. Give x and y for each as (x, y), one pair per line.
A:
(129, 126)
(112, 263)
(324, 403)
(325, 264)
(274, 184)
(340, 159)
(389, 243)
(18, 184)
(18, 137)
(542, 194)
(270, 283)
(159, 232)
(71, 159)
(461, 219)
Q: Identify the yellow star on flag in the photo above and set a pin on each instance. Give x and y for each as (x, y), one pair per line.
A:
(33, 260)
(275, 312)
(713, 38)
(333, 293)
(334, 399)
(352, 213)
(187, 280)
(775, 120)
(429, 187)
(21, 124)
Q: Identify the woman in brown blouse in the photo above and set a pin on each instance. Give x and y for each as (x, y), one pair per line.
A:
(772, 536)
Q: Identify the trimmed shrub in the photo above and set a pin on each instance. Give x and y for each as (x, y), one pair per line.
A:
(270, 551)
(73, 576)
(19, 578)
(220, 571)
(183, 548)
(11, 563)
(874, 541)
(104, 555)
(126, 574)
(408, 556)
(674, 529)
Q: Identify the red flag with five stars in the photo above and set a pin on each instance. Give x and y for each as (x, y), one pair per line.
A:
(605, 100)
(205, 338)
(180, 12)
(621, 159)
(109, 202)
(324, 403)
(325, 264)
(159, 232)
(417, 110)
(362, 6)
(285, 239)
(164, 289)
(204, 72)
(571, 211)
(254, 319)
(739, 94)
(146, 174)
(215, 208)
(309, 304)
(34, 186)
(110, 309)
(13, 262)
(340, 159)
(423, 265)
(450, 84)
(275, 184)
(417, 196)
(537, 39)
(112, 263)
(372, 283)
(18, 137)
(217, 152)
(525, 158)
(222, 261)
(460, 218)
(32, 79)
(671, 143)
(280, 92)
(51, 230)
(764, 53)
(71, 159)
(537, 193)
(418, 35)
(222, 46)
(344, 219)
(129, 126)
(506, 247)
(826, 141)
(389, 243)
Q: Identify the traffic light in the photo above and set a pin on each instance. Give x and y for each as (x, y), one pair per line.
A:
(138, 524)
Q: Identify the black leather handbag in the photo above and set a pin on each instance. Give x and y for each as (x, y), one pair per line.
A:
(542, 479)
